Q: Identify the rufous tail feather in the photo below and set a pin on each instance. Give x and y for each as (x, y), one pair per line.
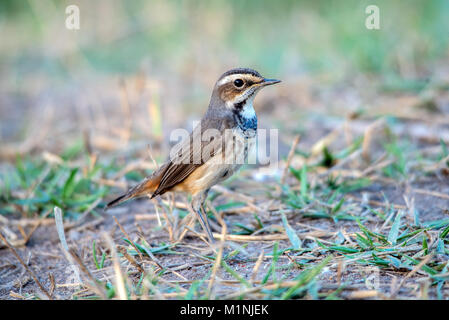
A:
(147, 186)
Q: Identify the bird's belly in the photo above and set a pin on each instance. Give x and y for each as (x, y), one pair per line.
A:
(221, 166)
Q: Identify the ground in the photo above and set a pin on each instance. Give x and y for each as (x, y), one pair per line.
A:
(362, 211)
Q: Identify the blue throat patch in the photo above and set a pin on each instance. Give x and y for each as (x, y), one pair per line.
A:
(246, 124)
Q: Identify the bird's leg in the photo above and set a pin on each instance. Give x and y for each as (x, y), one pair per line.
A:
(203, 211)
(197, 206)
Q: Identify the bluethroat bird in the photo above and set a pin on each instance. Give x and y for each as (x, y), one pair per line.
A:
(209, 155)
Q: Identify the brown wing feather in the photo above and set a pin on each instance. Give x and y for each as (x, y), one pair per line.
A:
(177, 170)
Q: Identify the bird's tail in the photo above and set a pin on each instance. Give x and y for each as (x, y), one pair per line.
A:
(147, 186)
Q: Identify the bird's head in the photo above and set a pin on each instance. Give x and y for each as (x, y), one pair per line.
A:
(237, 87)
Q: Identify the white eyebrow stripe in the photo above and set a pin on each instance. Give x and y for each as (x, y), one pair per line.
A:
(229, 78)
(235, 76)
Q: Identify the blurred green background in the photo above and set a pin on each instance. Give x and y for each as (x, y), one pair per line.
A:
(283, 37)
(179, 48)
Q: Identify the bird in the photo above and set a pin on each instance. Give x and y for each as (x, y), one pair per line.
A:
(214, 150)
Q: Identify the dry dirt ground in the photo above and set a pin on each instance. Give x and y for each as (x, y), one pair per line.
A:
(43, 253)
(424, 189)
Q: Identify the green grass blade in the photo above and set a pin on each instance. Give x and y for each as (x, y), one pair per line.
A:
(292, 236)
(394, 232)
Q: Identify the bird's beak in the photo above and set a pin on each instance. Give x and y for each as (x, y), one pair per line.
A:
(267, 82)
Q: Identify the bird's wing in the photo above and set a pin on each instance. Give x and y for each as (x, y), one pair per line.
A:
(188, 154)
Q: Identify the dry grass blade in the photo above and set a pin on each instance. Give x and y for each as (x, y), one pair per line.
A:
(236, 237)
(145, 216)
(169, 224)
(411, 273)
(376, 203)
(156, 207)
(96, 288)
(368, 136)
(16, 295)
(363, 294)
(127, 236)
(37, 225)
(13, 239)
(51, 277)
(256, 267)
(432, 193)
(217, 259)
(201, 236)
(119, 279)
(190, 218)
(62, 239)
(291, 153)
(131, 260)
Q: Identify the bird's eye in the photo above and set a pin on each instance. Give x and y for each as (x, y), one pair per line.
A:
(238, 83)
